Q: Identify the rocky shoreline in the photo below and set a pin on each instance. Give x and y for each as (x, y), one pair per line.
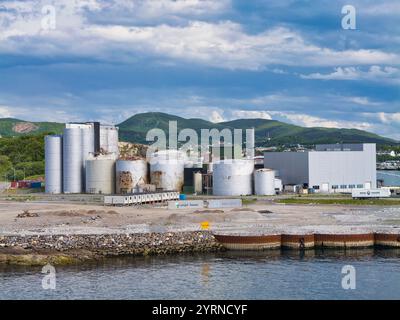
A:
(68, 249)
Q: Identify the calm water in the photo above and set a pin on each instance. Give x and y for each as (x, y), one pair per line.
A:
(391, 178)
(245, 275)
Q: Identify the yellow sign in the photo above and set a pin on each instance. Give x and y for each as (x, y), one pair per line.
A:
(205, 225)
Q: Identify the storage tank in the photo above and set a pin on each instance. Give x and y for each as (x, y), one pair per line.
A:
(264, 182)
(87, 148)
(112, 138)
(73, 163)
(198, 182)
(138, 172)
(233, 177)
(167, 169)
(53, 164)
(109, 139)
(100, 174)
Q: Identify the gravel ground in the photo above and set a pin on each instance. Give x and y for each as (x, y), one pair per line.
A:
(69, 219)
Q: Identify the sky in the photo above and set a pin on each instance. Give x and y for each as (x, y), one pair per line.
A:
(287, 60)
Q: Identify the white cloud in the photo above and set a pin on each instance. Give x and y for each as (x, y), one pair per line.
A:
(251, 114)
(5, 112)
(374, 73)
(387, 118)
(314, 121)
(364, 101)
(223, 44)
(216, 117)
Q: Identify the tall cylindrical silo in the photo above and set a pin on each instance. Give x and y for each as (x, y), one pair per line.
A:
(72, 162)
(138, 172)
(233, 177)
(112, 139)
(100, 174)
(87, 135)
(264, 182)
(104, 138)
(198, 182)
(167, 169)
(109, 139)
(53, 164)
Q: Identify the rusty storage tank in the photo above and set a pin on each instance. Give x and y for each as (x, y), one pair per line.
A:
(233, 177)
(264, 182)
(130, 175)
(167, 169)
(100, 174)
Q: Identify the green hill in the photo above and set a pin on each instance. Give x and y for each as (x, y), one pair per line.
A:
(10, 127)
(268, 132)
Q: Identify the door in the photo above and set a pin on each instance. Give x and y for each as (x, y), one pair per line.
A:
(325, 187)
(367, 185)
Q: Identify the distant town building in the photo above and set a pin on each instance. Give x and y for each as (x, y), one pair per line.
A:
(329, 168)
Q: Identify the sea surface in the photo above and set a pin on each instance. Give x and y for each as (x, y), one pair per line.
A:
(276, 274)
(390, 178)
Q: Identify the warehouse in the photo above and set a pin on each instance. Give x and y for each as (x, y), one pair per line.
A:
(328, 168)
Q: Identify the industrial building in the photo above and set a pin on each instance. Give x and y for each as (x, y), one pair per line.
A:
(328, 168)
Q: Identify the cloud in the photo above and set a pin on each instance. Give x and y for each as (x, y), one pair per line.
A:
(5, 112)
(389, 117)
(374, 73)
(251, 114)
(221, 44)
(306, 120)
(364, 101)
(216, 117)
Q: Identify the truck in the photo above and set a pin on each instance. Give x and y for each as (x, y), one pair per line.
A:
(370, 193)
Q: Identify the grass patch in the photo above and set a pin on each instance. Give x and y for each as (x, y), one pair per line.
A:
(20, 198)
(247, 201)
(376, 202)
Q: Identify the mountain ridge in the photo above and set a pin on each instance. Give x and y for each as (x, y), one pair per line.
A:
(268, 132)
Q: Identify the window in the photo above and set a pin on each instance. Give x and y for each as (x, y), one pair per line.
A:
(352, 186)
(343, 186)
(335, 187)
(360, 186)
(316, 187)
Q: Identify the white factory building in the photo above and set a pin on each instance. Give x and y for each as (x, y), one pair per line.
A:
(328, 168)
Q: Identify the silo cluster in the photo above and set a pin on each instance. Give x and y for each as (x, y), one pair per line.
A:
(66, 155)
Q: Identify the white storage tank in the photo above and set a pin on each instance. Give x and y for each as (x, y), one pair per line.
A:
(138, 171)
(198, 182)
(113, 140)
(100, 174)
(264, 182)
(109, 139)
(53, 164)
(73, 163)
(233, 177)
(87, 148)
(167, 169)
